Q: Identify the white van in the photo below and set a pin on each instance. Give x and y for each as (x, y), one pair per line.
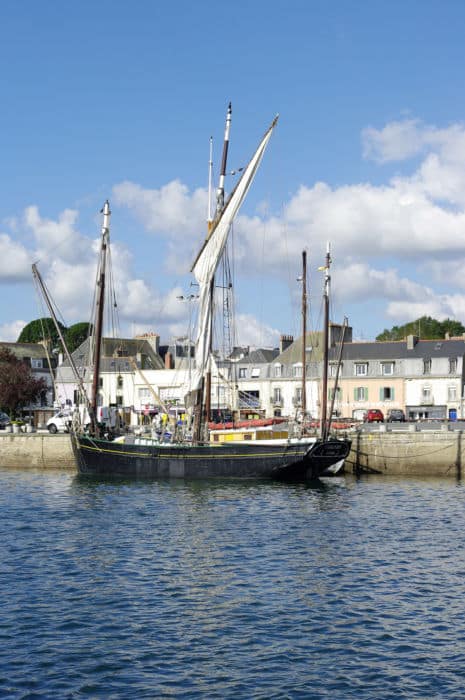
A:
(60, 422)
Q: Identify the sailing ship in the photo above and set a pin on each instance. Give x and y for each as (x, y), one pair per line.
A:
(282, 429)
(134, 456)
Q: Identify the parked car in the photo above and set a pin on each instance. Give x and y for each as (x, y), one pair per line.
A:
(60, 422)
(395, 415)
(373, 415)
(4, 420)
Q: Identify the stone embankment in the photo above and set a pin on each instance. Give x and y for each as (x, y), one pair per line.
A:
(36, 451)
(420, 453)
(412, 453)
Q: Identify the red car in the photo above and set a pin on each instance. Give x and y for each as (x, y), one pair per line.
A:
(373, 415)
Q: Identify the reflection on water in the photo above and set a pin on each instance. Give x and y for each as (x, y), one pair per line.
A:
(347, 588)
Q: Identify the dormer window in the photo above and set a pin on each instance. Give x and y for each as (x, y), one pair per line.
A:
(387, 368)
(361, 369)
(427, 365)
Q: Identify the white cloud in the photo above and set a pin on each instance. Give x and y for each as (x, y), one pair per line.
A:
(254, 333)
(57, 239)
(396, 141)
(15, 261)
(10, 332)
(172, 213)
(382, 237)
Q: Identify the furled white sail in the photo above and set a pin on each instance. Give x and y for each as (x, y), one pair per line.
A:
(208, 259)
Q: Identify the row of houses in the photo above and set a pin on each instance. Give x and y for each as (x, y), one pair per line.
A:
(425, 378)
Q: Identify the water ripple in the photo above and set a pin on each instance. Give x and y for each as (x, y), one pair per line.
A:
(114, 590)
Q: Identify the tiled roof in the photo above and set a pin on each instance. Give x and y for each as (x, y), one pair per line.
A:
(398, 350)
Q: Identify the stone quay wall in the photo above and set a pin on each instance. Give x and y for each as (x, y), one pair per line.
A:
(410, 453)
(419, 453)
(37, 451)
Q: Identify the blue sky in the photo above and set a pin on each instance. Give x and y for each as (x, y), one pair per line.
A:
(118, 100)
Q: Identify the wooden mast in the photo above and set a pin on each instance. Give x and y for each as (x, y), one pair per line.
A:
(202, 409)
(100, 304)
(324, 384)
(304, 333)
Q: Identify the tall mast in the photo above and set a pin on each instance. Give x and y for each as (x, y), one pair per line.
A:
(210, 179)
(219, 211)
(98, 322)
(324, 385)
(220, 190)
(304, 332)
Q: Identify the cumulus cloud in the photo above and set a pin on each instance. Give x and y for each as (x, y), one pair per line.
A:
(10, 332)
(171, 212)
(254, 333)
(383, 238)
(15, 261)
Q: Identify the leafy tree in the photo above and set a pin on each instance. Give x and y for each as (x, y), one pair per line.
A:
(425, 327)
(18, 387)
(41, 329)
(77, 334)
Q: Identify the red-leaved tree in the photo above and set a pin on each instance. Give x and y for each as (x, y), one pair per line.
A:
(18, 387)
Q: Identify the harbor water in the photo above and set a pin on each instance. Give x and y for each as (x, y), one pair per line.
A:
(350, 588)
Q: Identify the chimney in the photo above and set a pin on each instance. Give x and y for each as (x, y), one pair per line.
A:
(412, 340)
(169, 361)
(285, 341)
(152, 338)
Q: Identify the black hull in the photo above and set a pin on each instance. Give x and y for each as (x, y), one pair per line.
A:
(302, 461)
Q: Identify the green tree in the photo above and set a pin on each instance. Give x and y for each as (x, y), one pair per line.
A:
(425, 327)
(41, 329)
(18, 387)
(77, 334)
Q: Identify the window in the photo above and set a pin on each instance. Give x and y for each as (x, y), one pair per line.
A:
(386, 393)
(277, 395)
(361, 369)
(255, 372)
(144, 395)
(333, 369)
(278, 370)
(297, 370)
(452, 365)
(242, 372)
(36, 363)
(361, 393)
(119, 382)
(298, 395)
(426, 393)
(387, 367)
(427, 366)
(452, 393)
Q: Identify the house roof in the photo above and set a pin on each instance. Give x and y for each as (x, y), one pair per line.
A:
(398, 350)
(121, 348)
(259, 356)
(23, 350)
(313, 349)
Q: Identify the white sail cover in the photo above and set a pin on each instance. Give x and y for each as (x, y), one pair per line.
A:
(208, 259)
